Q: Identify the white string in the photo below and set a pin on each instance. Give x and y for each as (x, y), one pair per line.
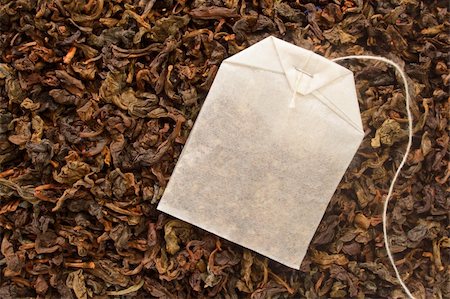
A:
(408, 148)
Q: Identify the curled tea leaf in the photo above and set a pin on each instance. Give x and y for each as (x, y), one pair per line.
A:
(389, 133)
(325, 260)
(166, 27)
(75, 281)
(176, 231)
(72, 171)
(126, 291)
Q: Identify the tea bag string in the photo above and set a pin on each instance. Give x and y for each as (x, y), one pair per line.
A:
(402, 163)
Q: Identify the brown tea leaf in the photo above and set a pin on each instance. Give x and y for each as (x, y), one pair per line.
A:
(75, 281)
(176, 231)
(389, 133)
(325, 260)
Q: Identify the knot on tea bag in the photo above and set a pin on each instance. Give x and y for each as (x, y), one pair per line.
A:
(402, 163)
(297, 80)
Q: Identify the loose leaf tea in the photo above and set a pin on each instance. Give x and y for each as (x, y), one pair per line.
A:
(98, 97)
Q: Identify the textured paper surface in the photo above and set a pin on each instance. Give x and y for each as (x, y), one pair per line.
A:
(256, 171)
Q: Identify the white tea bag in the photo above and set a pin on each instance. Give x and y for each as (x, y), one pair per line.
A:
(275, 135)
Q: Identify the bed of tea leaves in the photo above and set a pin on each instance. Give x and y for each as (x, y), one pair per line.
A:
(97, 98)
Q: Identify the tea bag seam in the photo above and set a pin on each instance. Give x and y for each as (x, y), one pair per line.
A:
(333, 107)
(326, 102)
(402, 163)
(294, 92)
(252, 67)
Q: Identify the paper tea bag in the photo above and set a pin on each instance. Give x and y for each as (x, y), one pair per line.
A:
(273, 139)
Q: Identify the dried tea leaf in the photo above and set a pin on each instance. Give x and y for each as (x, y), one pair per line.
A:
(120, 235)
(166, 27)
(389, 133)
(63, 97)
(72, 171)
(127, 291)
(86, 112)
(362, 221)
(157, 290)
(112, 86)
(75, 281)
(424, 229)
(246, 284)
(14, 260)
(15, 93)
(325, 260)
(212, 12)
(113, 35)
(22, 131)
(425, 144)
(40, 285)
(86, 70)
(287, 12)
(176, 231)
(71, 83)
(30, 105)
(380, 270)
(109, 272)
(337, 290)
(38, 127)
(339, 36)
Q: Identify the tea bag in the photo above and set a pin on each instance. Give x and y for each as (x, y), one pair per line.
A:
(275, 135)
